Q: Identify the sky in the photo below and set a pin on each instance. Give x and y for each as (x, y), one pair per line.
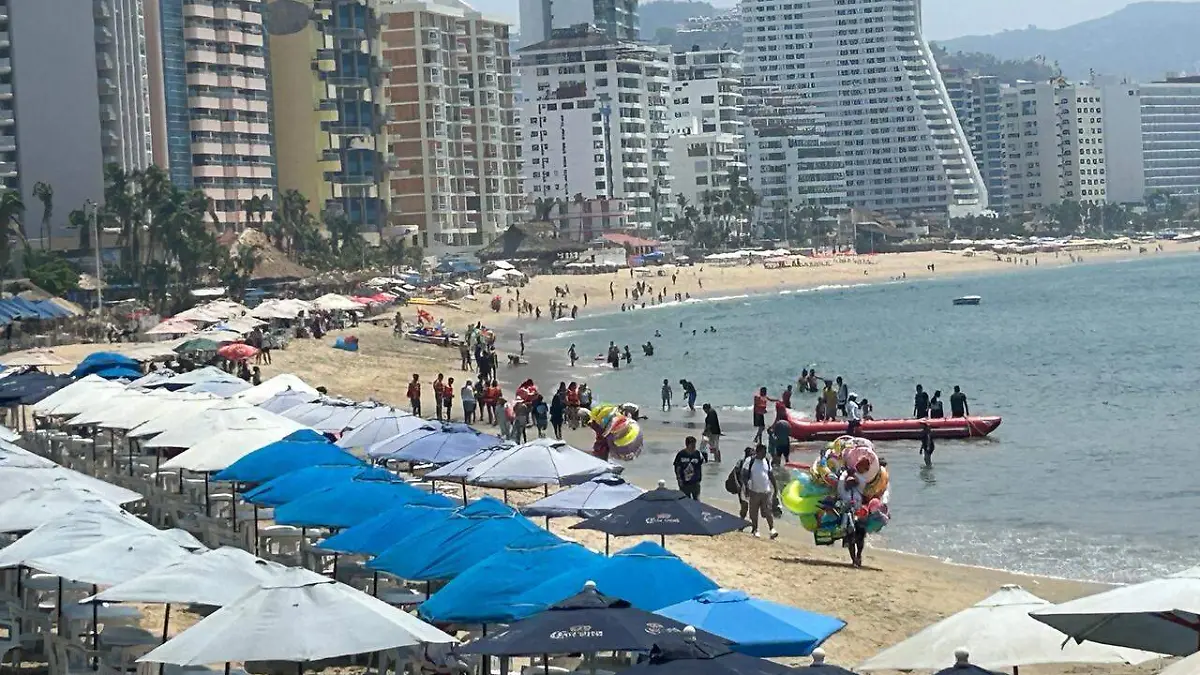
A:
(945, 19)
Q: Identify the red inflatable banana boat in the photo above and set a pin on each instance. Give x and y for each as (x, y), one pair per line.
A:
(895, 430)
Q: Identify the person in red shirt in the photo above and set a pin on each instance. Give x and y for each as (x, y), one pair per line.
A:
(414, 394)
(760, 413)
(493, 395)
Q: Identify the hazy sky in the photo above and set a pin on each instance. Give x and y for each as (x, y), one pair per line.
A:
(949, 18)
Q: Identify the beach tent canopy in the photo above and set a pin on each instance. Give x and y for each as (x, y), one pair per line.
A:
(284, 400)
(434, 444)
(691, 654)
(447, 548)
(542, 461)
(280, 384)
(377, 533)
(292, 486)
(1161, 615)
(647, 575)
(228, 446)
(38, 505)
(484, 593)
(350, 503)
(20, 474)
(294, 618)
(598, 495)
(380, 428)
(114, 559)
(756, 627)
(213, 578)
(283, 457)
(104, 360)
(999, 634)
(587, 621)
(663, 511)
(89, 524)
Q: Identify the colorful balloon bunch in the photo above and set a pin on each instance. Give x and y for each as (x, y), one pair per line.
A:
(846, 481)
(619, 431)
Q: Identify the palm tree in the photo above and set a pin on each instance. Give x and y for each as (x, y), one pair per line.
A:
(124, 207)
(45, 193)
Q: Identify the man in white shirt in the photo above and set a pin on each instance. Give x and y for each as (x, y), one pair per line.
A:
(853, 414)
(760, 489)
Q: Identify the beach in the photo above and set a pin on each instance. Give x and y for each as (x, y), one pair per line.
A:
(892, 597)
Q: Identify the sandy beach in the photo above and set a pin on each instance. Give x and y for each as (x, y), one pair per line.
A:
(892, 597)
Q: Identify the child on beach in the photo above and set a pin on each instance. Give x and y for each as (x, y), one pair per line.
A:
(666, 396)
(541, 415)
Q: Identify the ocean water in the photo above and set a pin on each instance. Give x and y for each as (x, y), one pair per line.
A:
(1095, 472)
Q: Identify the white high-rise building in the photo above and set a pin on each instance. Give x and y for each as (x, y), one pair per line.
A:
(1031, 149)
(865, 65)
(540, 18)
(1171, 135)
(791, 164)
(704, 122)
(594, 122)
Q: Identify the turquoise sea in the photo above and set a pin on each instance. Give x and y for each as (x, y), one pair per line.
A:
(1095, 472)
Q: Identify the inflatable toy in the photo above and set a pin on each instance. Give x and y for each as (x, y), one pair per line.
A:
(812, 495)
(620, 431)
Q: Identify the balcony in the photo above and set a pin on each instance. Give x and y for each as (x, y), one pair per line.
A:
(360, 179)
(6, 65)
(347, 32)
(8, 168)
(6, 91)
(6, 117)
(108, 113)
(325, 61)
(327, 111)
(348, 129)
(350, 82)
(8, 144)
(330, 161)
(198, 9)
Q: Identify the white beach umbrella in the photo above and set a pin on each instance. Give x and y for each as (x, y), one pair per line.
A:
(178, 415)
(1162, 615)
(277, 385)
(386, 426)
(214, 578)
(102, 406)
(114, 559)
(207, 423)
(1188, 666)
(997, 633)
(458, 469)
(89, 524)
(295, 618)
(156, 405)
(16, 481)
(13, 455)
(73, 398)
(199, 376)
(226, 446)
(36, 506)
(542, 461)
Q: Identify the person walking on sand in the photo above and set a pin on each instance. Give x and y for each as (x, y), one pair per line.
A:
(572, 398)
(666, 396)
(521, 337)
(760, 490)
(688, 463)
(448, 399)
(558, 406)
(760, 413)
(829, 395)
(781, 435)
(712, 432)
(468, 402)
(921, 403)
(736, 483)
(958, 403)
(414, 395)
(572, 355)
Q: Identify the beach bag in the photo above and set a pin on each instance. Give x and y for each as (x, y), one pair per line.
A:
(732, 486)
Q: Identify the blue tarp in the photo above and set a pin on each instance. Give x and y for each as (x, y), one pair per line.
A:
(293, 486)
(376, 534)
(485, 592)
(102, 360)
(283, 457)
(647, 575)
(434, 445)
(447, 549)
(756, 627)
(350, 503)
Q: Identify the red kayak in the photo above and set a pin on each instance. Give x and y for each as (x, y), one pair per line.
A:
(896, 430)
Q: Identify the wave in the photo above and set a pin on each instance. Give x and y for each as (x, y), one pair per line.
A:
(572, 333)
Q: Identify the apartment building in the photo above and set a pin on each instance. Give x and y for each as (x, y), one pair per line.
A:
(595, 121)
(617, 19)
(704, 122)
(977, 103)
(1031, 150)
(73, 98)
(453, 152)
(215, 103)
(1170, 124)
(866, 66)
(792, 164)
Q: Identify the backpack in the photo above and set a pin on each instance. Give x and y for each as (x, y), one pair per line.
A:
(733, 485)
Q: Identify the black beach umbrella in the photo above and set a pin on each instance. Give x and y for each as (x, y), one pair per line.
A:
(663, 511)
(964, 668)
(586, 622)
(819, 667)
(689, 653)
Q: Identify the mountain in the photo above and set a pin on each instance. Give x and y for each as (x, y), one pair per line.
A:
(1141, 42)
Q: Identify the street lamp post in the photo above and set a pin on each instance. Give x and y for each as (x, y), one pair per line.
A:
(91, 206)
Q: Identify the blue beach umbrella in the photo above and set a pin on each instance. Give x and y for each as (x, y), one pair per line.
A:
(647, 575)
(94, 363)
(376, 534)
(756, 627)
(350, 503)
(283, 457)
(118, 373)
(448, 548)
(485, 592)
(292, 486)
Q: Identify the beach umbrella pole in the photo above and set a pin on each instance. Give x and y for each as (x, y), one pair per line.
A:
(207, 504)
(166, 625)
(662, 540)
(59, 610)
(256, 529)
(464, 487)
(605, 543)
(95, 628)
(129, 447)
(375, 583)
(233, 506)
